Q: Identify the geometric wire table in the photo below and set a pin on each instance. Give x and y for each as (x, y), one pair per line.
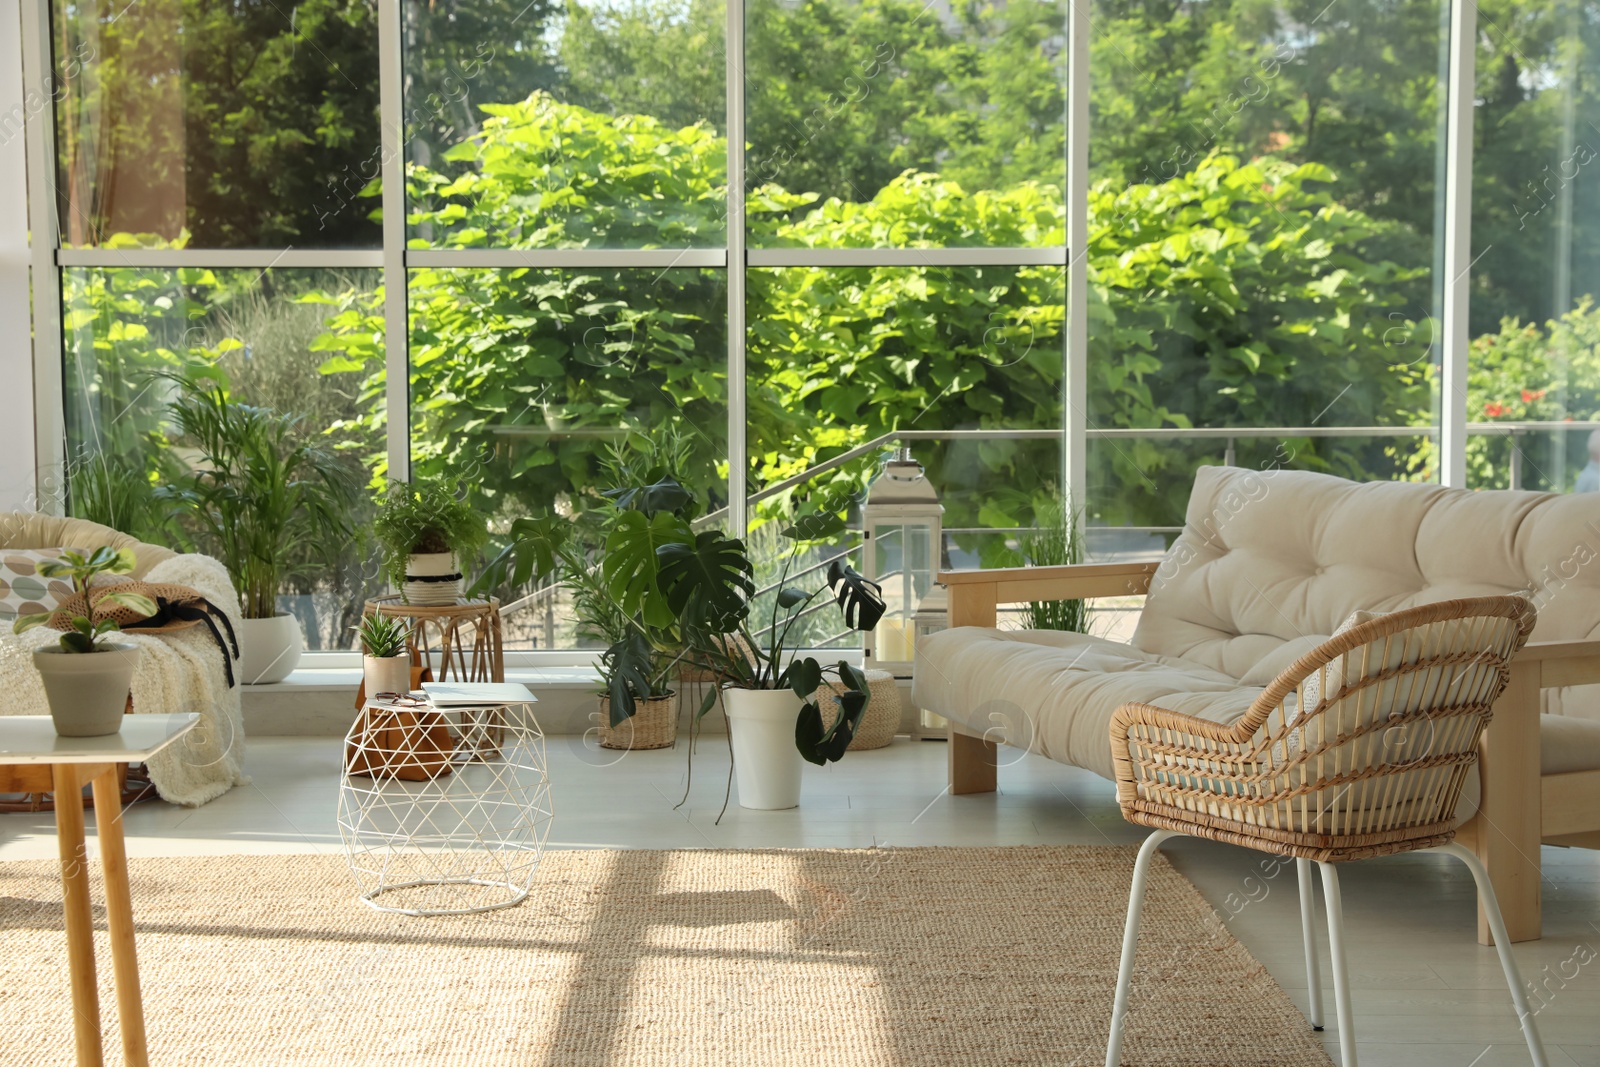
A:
(468, 834)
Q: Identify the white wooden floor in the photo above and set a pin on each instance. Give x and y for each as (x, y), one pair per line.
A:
(1425, 992)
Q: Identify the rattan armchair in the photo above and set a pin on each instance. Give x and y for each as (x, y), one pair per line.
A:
(1359, 749)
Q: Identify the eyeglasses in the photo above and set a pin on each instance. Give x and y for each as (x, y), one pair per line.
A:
(400, 700)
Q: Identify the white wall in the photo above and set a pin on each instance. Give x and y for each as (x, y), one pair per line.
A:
(18, 490)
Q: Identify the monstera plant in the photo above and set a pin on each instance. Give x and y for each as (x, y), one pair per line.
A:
(686, 594)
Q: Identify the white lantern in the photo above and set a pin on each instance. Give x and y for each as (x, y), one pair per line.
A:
(902, 552)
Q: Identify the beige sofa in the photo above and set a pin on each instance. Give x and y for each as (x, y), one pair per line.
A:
(1270, 564)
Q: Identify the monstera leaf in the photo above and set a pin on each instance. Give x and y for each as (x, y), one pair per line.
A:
(707, 581)
(627, 663)
(860, 599)
(823, 746)
(633, 562)
(818, 526)
(535, 546)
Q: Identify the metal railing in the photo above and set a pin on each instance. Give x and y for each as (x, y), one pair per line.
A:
(545, 596)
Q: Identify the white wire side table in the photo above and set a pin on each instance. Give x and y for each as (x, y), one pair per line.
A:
(444, 810)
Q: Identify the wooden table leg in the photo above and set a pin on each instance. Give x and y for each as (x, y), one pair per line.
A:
(119, 918)
(1506, 831)
(79, 920)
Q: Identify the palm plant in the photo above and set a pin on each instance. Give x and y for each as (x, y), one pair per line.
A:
(264, 496)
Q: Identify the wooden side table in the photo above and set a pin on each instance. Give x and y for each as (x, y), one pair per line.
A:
(467, 636)
(74, 762)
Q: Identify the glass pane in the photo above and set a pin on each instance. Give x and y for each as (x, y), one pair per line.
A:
(894, 123)
(522, 381)
(1533, 392)
(560, 126)
(968, 360)
(1263, 288)
(264, 333)
(240, 125)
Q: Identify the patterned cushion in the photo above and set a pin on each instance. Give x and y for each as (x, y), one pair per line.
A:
(22, 591)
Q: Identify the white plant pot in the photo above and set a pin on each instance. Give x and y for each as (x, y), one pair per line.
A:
(766, 762)
(432, 579)
(386, 674)
(269, 649)
(87, 691)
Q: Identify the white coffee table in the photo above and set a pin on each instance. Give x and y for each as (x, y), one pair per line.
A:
(75, 762)
(452, 842)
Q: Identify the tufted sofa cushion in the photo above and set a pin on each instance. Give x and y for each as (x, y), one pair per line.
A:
(1270, 563)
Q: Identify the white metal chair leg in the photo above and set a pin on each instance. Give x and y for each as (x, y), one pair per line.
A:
(1130, 943)
(1502, 944)
(1308, 933)
(1341, 969)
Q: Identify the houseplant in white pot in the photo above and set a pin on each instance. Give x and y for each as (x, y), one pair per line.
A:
(706, 579)
(86, 676)
(267, 499)
(427, 534)
(385, 658)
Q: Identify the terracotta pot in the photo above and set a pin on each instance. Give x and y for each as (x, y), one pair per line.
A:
(87, 691)
(432, 579)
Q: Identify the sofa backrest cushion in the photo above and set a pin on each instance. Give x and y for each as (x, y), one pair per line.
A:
(1271, 562)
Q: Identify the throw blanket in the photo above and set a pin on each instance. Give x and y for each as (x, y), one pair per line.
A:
(177, 671)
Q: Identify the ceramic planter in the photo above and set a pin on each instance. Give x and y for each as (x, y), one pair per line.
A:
(386, 674)
(87, 691)
(432, 579)
(765, 760)
(269, 649)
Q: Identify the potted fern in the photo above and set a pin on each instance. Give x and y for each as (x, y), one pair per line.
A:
(427, 533)
(267, 499)
(86, 674)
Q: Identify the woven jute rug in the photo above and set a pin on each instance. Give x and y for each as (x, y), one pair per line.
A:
(917, 957)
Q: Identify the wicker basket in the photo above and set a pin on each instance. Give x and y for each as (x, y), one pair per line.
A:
(654, 724)
(882, 717)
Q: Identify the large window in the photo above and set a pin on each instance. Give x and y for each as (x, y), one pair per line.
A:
(1534, 387)
(1266, 193)
(496, 242)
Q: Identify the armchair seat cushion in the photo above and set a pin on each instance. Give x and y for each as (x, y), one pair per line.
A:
(1568, 744)
(1055, 693)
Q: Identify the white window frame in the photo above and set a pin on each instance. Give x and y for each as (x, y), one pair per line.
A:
(395, 260)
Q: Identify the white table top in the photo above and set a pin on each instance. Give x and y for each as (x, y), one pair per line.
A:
(477, 694)
(32, 739)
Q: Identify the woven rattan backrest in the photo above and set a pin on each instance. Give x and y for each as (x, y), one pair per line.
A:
(1381, 754)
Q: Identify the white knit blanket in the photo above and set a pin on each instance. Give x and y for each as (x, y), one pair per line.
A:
(177, 671)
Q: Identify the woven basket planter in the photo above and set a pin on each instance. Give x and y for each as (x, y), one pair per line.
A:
(880, 721)
(654, 724)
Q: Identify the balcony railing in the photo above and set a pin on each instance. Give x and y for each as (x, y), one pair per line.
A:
(544, 598)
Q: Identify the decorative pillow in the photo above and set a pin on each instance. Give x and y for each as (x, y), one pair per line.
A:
(1311, 688)
(22, 591)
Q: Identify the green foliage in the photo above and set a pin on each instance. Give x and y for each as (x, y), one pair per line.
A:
(1525, 373)
(1056, 541)
(262, 493)
(431, 516)
(80, 568)
(1239, 295)
(382, 636)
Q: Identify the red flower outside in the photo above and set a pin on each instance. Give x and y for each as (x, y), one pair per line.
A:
(1530, 395)
(1494, 411)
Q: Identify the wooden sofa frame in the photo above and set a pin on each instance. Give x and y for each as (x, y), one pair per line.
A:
(1518, 810)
